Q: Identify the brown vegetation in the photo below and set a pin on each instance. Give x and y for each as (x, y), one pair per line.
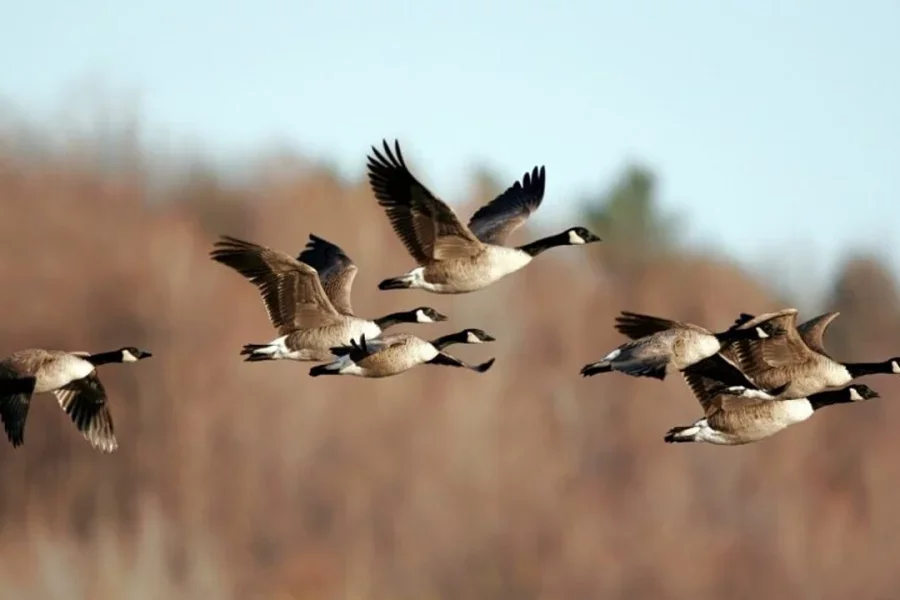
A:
(238, 480)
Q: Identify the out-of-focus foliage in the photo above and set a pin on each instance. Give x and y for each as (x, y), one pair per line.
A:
(248, 481)
(630, 220)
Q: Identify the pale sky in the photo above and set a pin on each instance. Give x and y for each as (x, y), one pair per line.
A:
(767, 122)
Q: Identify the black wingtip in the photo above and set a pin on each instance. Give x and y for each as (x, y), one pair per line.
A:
(535, 180)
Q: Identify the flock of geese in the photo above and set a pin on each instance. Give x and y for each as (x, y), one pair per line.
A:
(758, 377)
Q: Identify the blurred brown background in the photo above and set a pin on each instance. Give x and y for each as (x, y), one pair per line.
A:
(236, 480)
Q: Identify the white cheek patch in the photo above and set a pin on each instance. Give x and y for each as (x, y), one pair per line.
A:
(854, 395)
(574, 238)
(127, 356)
(895, 368)
(421, 317)
(471, 338)
(761, 333)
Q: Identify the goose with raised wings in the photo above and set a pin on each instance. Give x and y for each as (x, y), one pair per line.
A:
(455, 258)
(297, 301)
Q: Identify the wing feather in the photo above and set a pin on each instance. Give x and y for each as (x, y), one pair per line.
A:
(813, 331)
(15, 400)
(495, 221)
(636, 325)
(336, 271)
(84, 400)
(428, 228)
(291, 290)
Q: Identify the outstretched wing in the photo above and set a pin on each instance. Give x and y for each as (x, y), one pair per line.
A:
(711, 394)
(495, 221)
(428, 228)
(15, 399)
(785, 348)
(813, 331)
(636, 325)
(291, 291)
(336, 271)
(84, 400)
(704, 388)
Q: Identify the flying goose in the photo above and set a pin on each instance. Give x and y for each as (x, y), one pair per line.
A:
(72, 377)
(454, 258)
(794, 364)
(299, 307)
(731, 420)
(400, 352)
(670, 346)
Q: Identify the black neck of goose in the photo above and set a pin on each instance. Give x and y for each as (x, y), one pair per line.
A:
(823, 399)
(395, 319)
(446, 340)
(538, 246)
(104, 358)
(860, 369)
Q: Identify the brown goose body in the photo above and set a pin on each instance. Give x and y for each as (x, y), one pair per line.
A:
(72, 378)
(393, 354)
(732, 420)
(661, 346)
(455, 258)
(796, 362)
(310, 309)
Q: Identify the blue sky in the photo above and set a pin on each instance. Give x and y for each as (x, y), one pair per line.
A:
(769, 123)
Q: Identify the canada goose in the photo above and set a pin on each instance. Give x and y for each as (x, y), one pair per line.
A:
(400, 352)
(72, 377)
(671, 346)
(454, 258)
(299, 307)
(794, 365)
(731, 420)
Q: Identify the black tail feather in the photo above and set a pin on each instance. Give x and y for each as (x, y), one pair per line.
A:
(595, 368)
(249, 348)
(672, 437)
(322, 370)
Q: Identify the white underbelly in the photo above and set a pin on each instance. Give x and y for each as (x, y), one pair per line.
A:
(830, 377)
(359, 327)
(700, 347)
(469, 275)
(502, 261)
(62, 372)
(789, 412)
